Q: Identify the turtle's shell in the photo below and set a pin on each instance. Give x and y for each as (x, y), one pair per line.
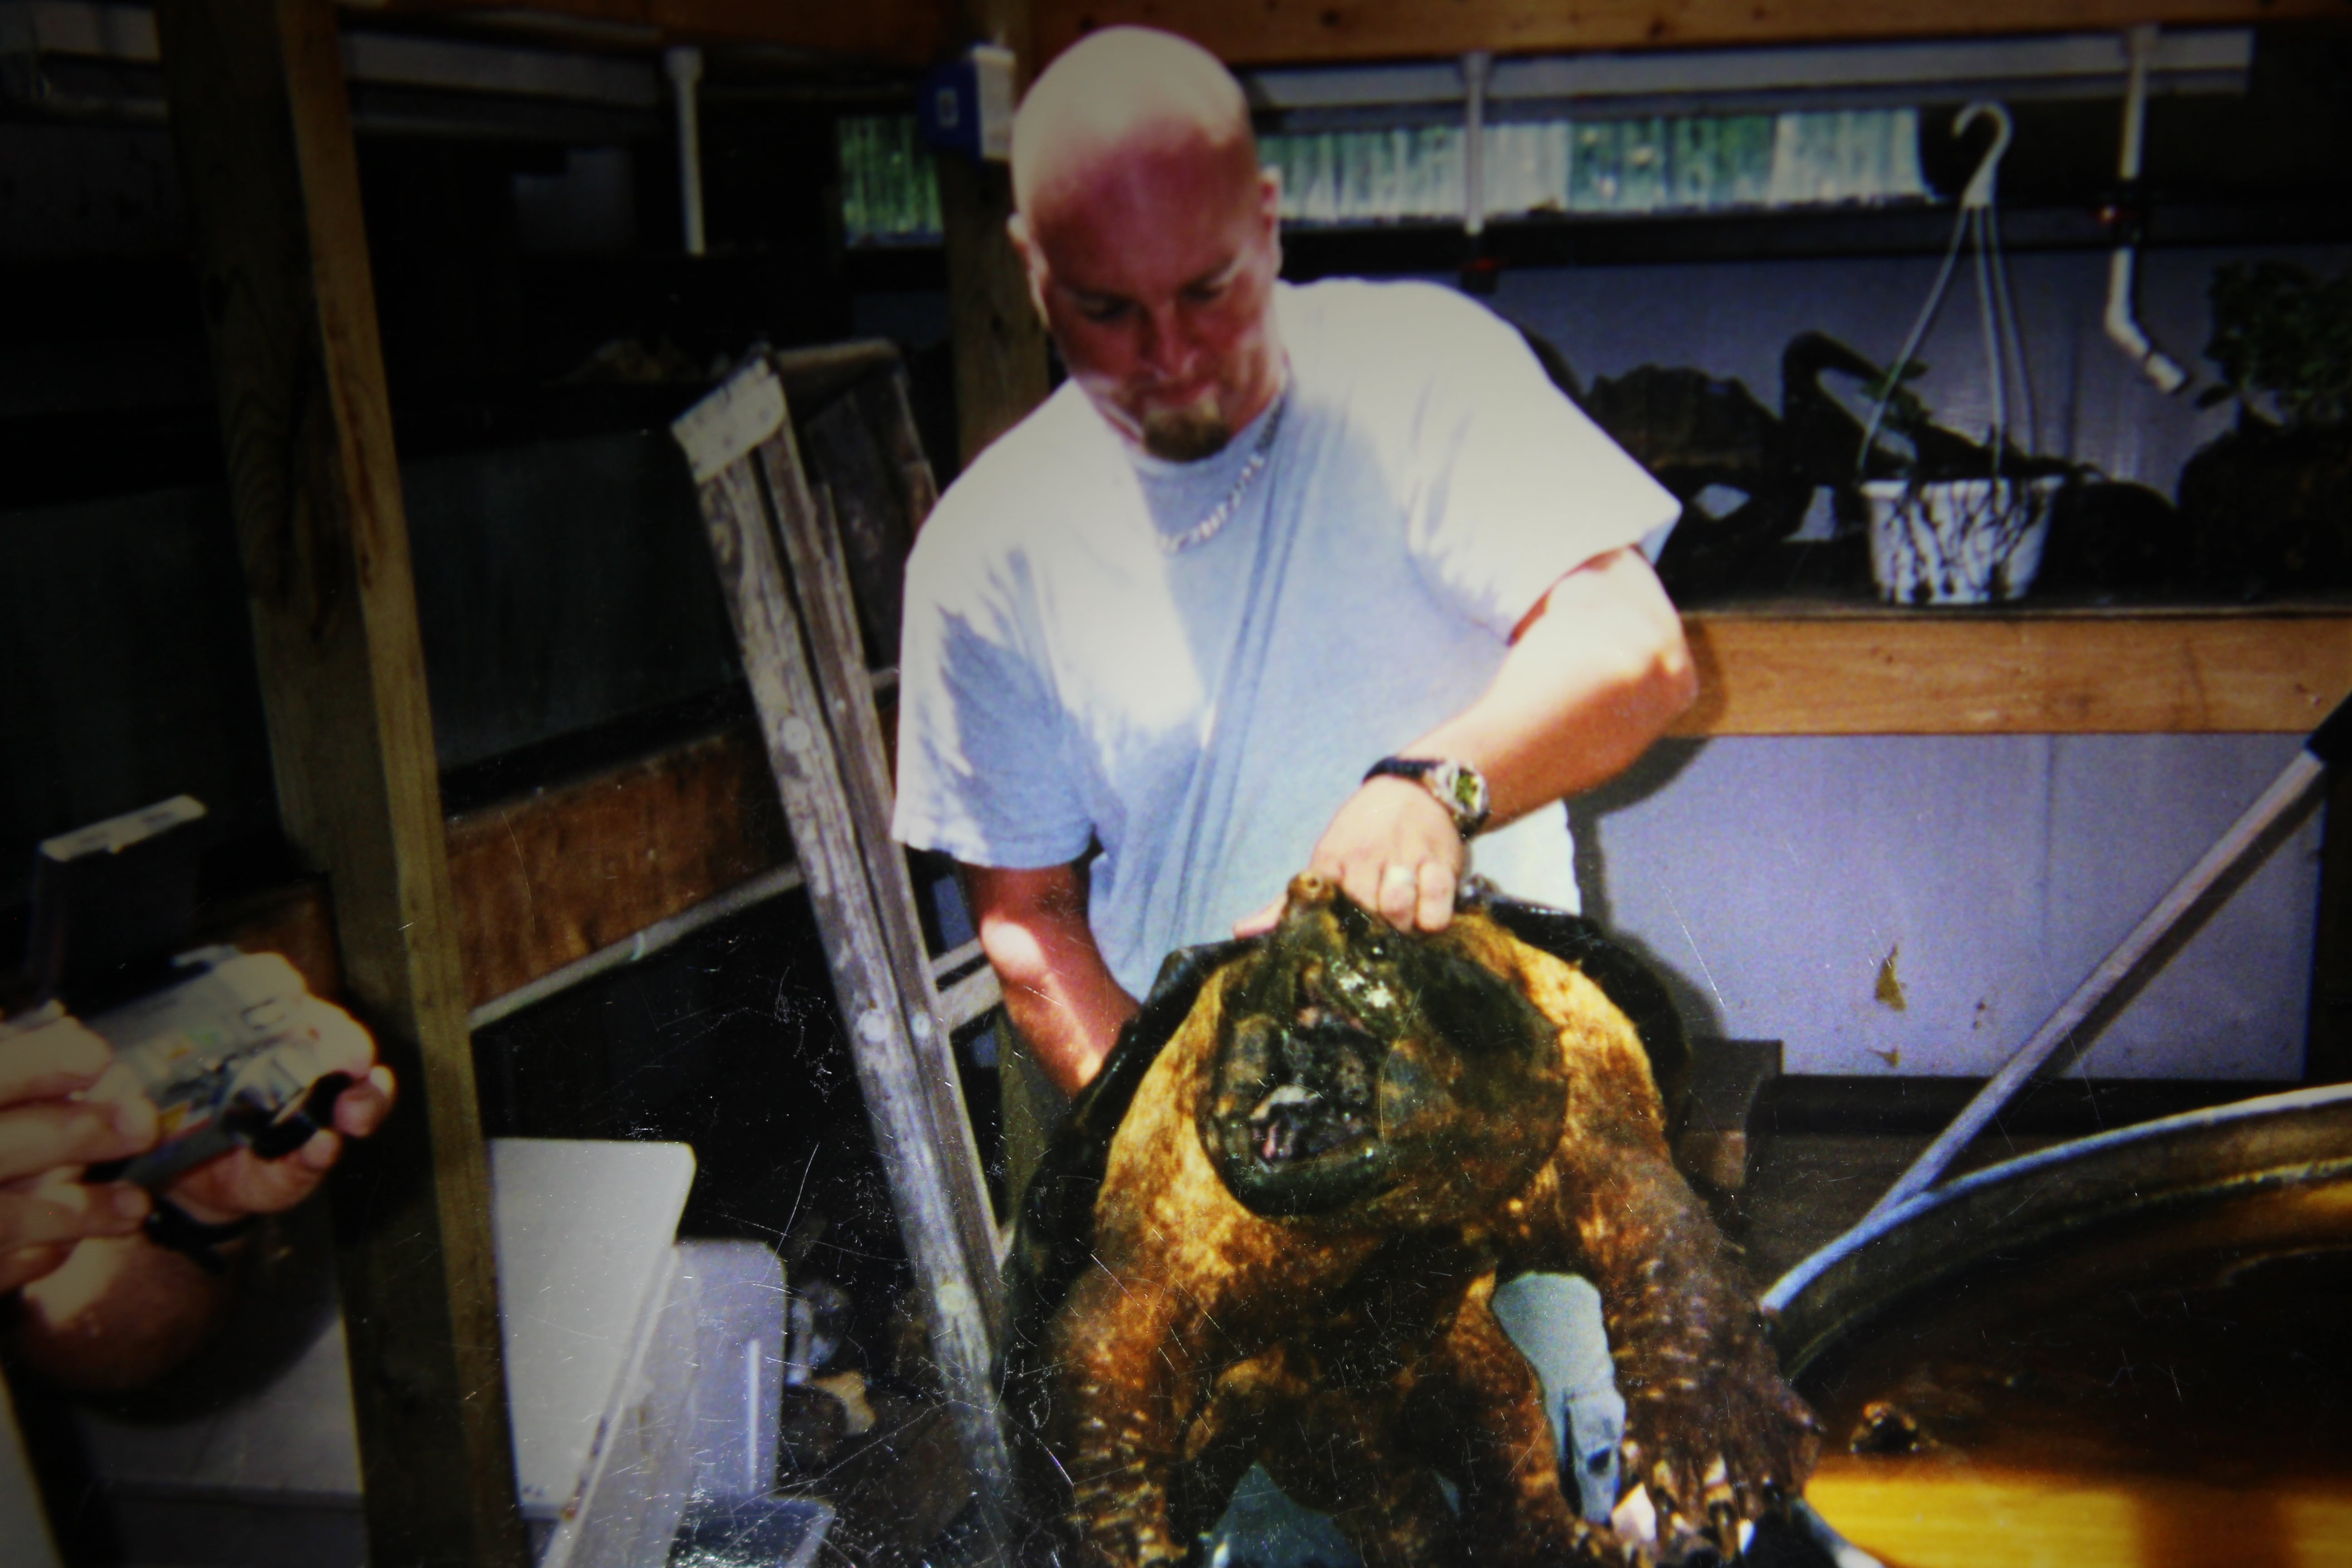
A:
(1055, 1233)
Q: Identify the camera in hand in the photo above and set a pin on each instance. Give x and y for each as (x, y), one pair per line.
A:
(231, 1046)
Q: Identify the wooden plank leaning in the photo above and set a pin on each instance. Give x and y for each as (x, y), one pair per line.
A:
(739, 445)
(814, 551)
(808, 519)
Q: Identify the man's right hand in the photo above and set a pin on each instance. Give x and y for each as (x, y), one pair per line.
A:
(64, 1104)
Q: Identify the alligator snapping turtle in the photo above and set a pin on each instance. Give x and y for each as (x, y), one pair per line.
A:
(1271, 1227)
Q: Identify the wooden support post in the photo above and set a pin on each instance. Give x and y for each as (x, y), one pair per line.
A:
(780, 582)
(262, 124)
(999, 343)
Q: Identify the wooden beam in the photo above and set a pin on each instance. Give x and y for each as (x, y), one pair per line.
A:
(1329, 32)
(1924, 673)
(997, 341)
(907, 34)
(262, 124)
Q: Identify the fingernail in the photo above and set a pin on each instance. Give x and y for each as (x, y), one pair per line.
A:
(128, 1202)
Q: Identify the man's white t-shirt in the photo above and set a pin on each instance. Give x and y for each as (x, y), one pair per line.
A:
(1065, 680)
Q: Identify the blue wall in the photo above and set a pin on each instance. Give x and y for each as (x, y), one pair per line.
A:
(1774, 876)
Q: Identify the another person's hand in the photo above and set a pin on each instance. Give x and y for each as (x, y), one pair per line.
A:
(65, 1103)
(101, 1306)
(1393, 849)
(241, 1183)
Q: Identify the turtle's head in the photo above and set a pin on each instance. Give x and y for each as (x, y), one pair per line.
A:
(1362, 1069)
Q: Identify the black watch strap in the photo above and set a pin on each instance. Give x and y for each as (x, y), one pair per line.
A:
(1460, 788)
(170, 1225)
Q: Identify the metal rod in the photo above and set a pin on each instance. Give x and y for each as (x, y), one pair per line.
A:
(2286, 793)
(684, 68)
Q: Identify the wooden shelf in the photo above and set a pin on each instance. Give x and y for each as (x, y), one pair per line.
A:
(1835, 670)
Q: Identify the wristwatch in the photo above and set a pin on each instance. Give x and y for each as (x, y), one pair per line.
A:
(1460, 788)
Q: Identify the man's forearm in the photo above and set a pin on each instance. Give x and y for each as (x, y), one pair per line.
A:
(1060, 993)
(1596, 675)
(1070, 1027)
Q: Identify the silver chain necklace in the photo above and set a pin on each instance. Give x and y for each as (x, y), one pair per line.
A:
(1209, 527)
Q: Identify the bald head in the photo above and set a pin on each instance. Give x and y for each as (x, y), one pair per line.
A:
(1122, 99)
(1151, 237)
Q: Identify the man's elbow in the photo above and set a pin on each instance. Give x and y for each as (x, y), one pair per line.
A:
(1671, 680)
(1654, 679)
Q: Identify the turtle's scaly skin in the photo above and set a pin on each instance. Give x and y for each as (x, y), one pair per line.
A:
(1302, 1213)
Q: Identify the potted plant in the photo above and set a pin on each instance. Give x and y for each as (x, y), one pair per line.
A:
(2269, 502)
(1951, 522)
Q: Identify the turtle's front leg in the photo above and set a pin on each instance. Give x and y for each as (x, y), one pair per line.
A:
(1714, 1433)
(1124, 1393)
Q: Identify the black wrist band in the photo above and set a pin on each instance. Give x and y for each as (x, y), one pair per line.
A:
(170, 1225)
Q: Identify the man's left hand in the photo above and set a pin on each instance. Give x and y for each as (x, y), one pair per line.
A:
(1393, 849)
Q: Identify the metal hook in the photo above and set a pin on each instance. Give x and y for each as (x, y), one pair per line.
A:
(1979, 193)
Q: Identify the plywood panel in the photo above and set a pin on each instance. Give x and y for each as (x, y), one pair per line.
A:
(549, 878)
(1929, 674)
(1271, 32)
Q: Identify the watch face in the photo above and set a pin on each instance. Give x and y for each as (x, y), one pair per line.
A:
(1469, 793)
(1459, 788)
(1463, 791)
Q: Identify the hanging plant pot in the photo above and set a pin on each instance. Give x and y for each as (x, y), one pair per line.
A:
(1957, 541)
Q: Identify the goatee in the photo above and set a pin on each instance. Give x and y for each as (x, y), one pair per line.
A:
(1188, 434)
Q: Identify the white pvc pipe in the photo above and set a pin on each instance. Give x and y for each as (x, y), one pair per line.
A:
(1475, 68)
(2122, 323)
(685, 68)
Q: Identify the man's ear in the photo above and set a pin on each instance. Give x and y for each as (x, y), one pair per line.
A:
(1033, 261)
(1269, 207)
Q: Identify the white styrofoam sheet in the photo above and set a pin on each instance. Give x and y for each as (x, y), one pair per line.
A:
(584, 1232)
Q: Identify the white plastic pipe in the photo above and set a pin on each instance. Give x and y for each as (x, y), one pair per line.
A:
(1477, 67)
(2122, 323)
(685, 68)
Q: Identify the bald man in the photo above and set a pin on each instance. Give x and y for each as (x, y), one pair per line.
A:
(1280, 578)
